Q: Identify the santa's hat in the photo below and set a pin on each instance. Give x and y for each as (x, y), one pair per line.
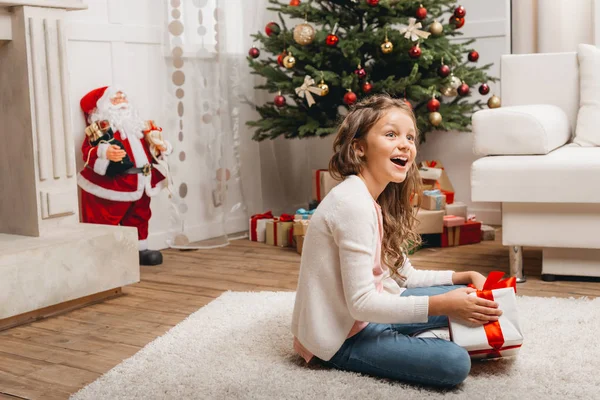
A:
(89, 102)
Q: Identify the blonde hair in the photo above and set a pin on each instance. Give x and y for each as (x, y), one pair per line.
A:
(395, 200)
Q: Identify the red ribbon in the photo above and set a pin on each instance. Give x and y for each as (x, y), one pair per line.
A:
(493, 331)
(253, 222)
(286, 218)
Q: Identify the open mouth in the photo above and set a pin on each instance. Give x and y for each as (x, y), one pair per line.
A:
(401, 161)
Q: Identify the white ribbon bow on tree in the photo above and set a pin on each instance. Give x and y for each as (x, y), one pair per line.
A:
(307, 87)
(412, 32)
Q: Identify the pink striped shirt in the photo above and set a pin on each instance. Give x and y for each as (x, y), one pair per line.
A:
(378, 274)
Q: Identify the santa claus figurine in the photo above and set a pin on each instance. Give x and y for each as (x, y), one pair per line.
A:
(123, 156)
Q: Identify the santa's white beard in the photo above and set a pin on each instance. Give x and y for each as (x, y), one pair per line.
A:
(122, 118)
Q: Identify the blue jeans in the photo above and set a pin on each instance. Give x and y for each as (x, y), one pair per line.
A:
(389, 351)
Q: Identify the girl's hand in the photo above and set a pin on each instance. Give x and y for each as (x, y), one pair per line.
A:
(477, 280)
(459, 305)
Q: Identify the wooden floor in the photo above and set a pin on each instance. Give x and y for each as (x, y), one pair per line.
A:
(53, 358)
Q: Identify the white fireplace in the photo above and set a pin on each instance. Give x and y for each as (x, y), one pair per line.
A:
(48, 259)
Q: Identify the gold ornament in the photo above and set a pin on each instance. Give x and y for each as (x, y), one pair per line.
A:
(289, 61)
(435, 118)
(436, 28)
(304, 34)
(449, 91)
(494, 102)
(387, 47)
(455, 82)
(324, 88)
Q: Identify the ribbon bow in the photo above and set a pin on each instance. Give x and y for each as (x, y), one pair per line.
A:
(285, 218)
(413, 32)
(305, 90)
(267, 215)
(493, 331)
(302, 211)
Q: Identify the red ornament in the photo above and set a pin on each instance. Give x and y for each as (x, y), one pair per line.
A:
(463, 89)
(433, 105)
(294, 3)
(280, 58)
(473, 56)
(415, 52)
(272, 29)
(332, 40)
(279, 101)
(373, 3)
(460, 12)
(458, 22)
(367, 87)
(350, 98)
(444, 71)
(484, 89)
(421, 12)
(361, 73)
(254, 52)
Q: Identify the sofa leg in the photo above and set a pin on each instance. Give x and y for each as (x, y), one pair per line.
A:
(516, 263)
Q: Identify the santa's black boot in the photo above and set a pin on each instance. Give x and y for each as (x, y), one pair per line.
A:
(150, 257)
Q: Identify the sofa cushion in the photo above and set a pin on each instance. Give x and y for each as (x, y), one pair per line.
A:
(529, 129)
(588, 117)
(569, 174)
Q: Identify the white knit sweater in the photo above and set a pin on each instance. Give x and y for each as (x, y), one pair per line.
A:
(336, 286)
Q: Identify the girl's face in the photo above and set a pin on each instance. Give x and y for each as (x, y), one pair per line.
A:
(389, 148)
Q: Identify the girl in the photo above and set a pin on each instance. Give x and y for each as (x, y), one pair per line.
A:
(359, 301)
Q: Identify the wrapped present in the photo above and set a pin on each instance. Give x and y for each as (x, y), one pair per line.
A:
(300, 227)
(323, 182)
(431, 240)
(443, 183)
(469, 233)
(299, 244)
(488, 232)
(457, 208)
(450, 236)
(429, 221)
(430, 174)
(258, 226)
(279, 232)
(301, 213)
(433, 200)
(502, 338)
(453, 220)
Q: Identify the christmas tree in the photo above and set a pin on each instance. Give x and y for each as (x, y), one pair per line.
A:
(339, 51)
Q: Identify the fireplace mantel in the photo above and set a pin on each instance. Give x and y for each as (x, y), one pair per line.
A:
(47, 257)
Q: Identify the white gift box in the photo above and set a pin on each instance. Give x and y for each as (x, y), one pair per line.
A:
(261, 229)
(476, 339)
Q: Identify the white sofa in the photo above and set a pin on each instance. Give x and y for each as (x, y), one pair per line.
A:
(534, 164)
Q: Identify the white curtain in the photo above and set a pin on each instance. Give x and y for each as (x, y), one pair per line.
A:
(551, 26)
(205, 51)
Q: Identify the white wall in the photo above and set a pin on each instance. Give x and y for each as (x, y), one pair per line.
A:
(126, 43)
(287, 164)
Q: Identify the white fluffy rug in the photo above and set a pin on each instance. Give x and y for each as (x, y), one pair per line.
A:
(239, 347)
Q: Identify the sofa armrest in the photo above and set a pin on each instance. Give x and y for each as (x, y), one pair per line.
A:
(529, 129)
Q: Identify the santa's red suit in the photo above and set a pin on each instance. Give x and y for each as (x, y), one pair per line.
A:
(123, 199)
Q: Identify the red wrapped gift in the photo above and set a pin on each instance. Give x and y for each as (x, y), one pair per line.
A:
(470, 233)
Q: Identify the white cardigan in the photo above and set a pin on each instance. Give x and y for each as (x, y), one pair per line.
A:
(336, 286)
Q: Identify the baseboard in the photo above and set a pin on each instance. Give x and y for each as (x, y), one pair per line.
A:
(487, 216)
(158, 240)
(56, 309)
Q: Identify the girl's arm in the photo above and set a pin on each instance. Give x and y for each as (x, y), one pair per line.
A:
(423, 278)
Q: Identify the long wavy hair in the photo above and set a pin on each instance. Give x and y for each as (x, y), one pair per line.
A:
(395, 200)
